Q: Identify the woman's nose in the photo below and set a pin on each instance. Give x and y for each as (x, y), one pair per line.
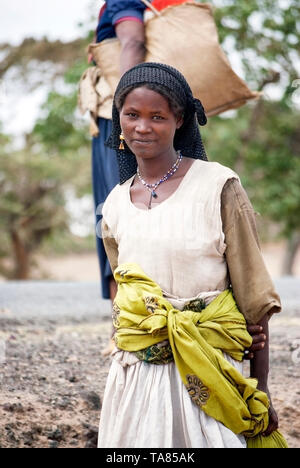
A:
(143, 126)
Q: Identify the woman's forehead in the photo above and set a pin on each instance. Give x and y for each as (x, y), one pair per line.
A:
(143, 96)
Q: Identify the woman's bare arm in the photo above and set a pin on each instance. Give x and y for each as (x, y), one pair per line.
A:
(259, 369)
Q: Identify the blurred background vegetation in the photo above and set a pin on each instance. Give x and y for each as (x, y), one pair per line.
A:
(45, 181)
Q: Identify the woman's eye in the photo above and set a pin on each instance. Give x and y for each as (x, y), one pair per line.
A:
(158, 117)
(131, 114)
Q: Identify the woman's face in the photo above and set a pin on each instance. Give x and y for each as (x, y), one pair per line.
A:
(148, 124)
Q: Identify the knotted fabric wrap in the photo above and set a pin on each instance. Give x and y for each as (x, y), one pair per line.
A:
(200, 112)
(143, 317)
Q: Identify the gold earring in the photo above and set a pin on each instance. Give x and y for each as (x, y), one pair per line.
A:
(122, 147)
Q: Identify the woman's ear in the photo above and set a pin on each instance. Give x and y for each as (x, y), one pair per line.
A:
(179, 121)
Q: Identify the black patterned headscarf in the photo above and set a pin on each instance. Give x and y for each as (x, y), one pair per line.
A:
(187, 138)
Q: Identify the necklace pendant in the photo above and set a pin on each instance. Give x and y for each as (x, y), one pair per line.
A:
(153, 194)
(150, 202)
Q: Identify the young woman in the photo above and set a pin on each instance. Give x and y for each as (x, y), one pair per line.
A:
(124, 20)
(187, 225)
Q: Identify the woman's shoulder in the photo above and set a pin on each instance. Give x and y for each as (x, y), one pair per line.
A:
(117, 195)
(214, 169)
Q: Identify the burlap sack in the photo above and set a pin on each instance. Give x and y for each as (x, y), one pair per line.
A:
(184, 36)
(94, 96)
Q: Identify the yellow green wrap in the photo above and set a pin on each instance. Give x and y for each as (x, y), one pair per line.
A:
(143, 317)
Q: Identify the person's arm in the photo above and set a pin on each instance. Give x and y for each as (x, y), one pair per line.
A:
(259, 369)
(251, 283)
(127, 19)
(131, 34)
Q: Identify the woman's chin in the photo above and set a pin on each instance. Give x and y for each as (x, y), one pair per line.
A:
(142, 149)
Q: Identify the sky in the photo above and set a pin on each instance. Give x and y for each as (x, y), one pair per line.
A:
(56, 19)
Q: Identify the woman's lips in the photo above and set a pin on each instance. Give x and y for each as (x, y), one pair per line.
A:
(143, 142)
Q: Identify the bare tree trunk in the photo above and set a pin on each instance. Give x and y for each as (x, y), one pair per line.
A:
(293, 244)
(22, 257)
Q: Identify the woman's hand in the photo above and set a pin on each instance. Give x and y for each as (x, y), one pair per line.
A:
(273, 421)
(259, 369)
(259, 340)
(273, 418)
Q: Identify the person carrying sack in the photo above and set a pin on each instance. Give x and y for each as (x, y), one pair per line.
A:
(123, 20)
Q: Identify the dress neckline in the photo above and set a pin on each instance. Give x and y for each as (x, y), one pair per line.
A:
(158, 205)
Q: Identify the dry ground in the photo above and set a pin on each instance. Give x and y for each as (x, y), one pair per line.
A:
(52, 385)
(53, 381)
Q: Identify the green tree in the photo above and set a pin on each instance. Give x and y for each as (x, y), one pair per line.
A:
(32, 204)
(61, 130)
(34, 180)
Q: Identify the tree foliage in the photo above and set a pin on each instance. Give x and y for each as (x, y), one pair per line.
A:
(32, 204)
(266, 34)
(268, 161)
(34, 180)
(261, 140)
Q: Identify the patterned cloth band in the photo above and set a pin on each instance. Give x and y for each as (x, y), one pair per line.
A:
(161, 353)
(187, 138)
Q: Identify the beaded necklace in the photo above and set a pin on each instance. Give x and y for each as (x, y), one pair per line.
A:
(152, 187)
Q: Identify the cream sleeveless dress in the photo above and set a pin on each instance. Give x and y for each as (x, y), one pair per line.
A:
(180, 245)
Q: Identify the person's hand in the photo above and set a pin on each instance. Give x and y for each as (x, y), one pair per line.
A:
(273, 421)
(258, 340)
(109, 348)
(273, 418)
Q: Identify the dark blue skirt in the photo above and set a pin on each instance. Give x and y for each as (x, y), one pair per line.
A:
(105, 175)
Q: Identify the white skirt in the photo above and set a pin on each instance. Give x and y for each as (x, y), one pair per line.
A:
(147, 406)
